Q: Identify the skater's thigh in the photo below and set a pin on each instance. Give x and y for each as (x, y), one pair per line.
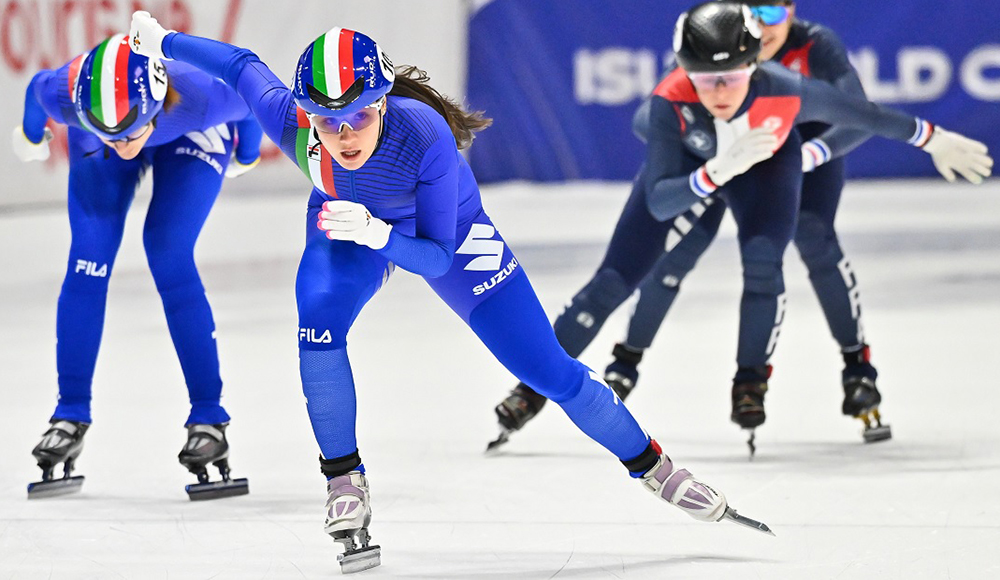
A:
(101, 187)
(638, 240)
(483, 264)
(821, 191)
(514, 327)
(765, 200)
(335, 280)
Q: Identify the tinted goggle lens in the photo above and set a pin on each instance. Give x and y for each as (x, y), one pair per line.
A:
(770, 15)
(355, 121)
(733, 78)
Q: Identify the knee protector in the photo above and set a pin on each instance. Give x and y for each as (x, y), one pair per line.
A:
(817, 242)
(598, 299)
(762, 267)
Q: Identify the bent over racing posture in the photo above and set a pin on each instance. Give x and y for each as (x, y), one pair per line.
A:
(181, 123)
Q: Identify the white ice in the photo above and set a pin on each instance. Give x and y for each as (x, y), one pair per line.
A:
(554, 504)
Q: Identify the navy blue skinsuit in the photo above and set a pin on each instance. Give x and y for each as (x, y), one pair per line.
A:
(764, 200)
(814, 51)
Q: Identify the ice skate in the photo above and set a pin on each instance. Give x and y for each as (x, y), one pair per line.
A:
(514, 412)
(62, 443)
(861, 396)
(622, 374)
(861, 400)
(207, 444)
(348, 514)
(695, 498)
(748, 408)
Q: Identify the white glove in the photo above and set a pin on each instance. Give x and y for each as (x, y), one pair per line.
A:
(815, 152)
(346, 220)
(952, 152)
(236, 169)
(26, 150)
(146, 36)
(750, 149)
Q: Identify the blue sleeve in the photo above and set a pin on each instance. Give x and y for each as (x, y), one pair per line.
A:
(431, 251)
(668, 189)
(829, 62)
(41, 91)
(268, 98)
(640, 121)
(248, 136)
(825, 103)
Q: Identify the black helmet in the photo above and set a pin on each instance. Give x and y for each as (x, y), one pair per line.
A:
(716, 36)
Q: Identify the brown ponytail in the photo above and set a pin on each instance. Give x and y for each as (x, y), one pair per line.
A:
(412, 82)
(172, 99)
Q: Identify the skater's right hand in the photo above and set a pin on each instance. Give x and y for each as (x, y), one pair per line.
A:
(27, 151)
(814, 153)
(146, 36)
(952, 152)
(750, 149)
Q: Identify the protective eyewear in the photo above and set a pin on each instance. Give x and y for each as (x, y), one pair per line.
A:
(133, 136)
(354, 121)
(770, 15)
(732, 78)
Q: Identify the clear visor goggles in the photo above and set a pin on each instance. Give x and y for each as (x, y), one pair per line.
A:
(770, 15)
(355, 121)
(730, 78)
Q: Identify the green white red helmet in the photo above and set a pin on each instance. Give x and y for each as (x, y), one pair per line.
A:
(340, 73)
(117, 91)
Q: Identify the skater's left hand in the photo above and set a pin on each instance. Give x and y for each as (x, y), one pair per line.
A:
(346, 220)
(952, 152)
(236, 169)
(146, 36)
(814, 153)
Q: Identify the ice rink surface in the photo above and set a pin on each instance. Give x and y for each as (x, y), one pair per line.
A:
(554, 504)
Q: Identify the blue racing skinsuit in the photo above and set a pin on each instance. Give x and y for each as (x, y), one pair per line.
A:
(418, 182)
(188, 152)
(673, 185)
(813, 51)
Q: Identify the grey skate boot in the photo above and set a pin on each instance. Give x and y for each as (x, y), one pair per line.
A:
(61, 443)
(348, 514)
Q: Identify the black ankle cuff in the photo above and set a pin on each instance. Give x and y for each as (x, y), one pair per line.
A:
(644, 462)
(627, 354)
(339, 465)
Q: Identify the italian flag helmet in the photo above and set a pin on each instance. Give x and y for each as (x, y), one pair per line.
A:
(341, 72)
(116, 91)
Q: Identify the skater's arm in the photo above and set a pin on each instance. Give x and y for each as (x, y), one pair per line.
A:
(670, 190)
(429, 253)
(268, 98)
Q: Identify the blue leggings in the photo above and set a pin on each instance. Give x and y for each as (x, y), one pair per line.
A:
(337, 278)
(101, 189)
(830, 273)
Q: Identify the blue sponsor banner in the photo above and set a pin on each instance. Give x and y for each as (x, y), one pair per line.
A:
(562, 78)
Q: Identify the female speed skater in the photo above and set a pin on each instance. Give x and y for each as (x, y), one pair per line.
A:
(390, 189)
(814, 51)
(126, 114)
(720, 127)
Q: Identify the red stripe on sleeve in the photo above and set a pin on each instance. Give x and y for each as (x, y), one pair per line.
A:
(301, 118)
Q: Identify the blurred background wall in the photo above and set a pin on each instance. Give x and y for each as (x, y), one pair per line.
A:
(561, 78)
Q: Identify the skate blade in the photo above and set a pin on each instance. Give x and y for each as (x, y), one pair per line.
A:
(503, 438)
(736, 518)
(55, 487)
(217, 489)
(876, 434)
(360, 560)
